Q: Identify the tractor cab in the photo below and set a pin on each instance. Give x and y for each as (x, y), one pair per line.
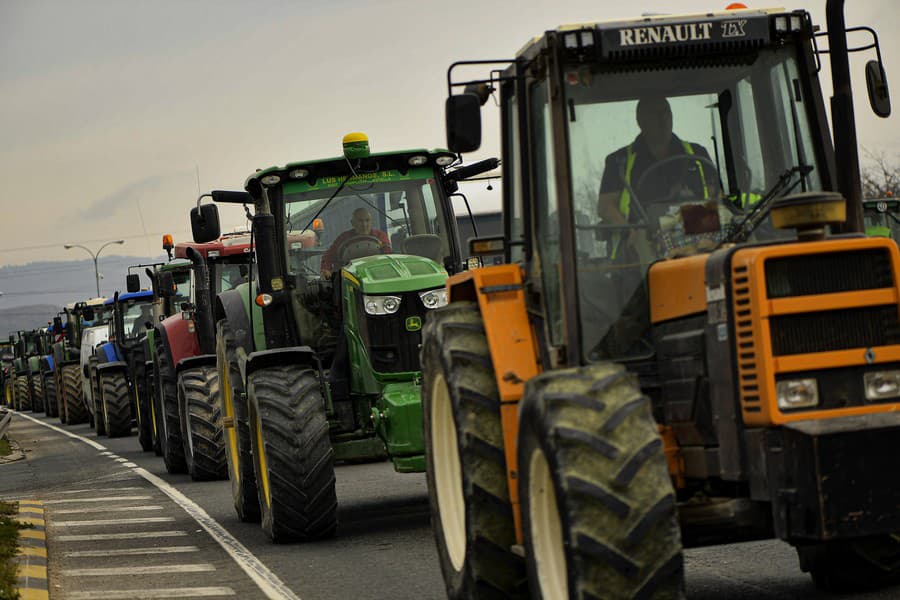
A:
(690, 330)
(882, 217)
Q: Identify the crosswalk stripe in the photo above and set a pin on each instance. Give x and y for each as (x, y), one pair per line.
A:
(95, 522)
(132, 570)
(132, 551)
(104, 499)
(117, 536)
(197, 592)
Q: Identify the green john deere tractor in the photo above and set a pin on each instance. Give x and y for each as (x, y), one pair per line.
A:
(318, 356)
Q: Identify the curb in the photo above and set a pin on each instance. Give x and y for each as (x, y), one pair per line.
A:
(33, 584)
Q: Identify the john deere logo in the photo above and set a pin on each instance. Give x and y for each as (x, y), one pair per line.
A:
(413, 323)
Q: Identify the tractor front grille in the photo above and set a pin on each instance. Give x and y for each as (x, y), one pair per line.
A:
(828, 273)
(392, 348)
(835, 330)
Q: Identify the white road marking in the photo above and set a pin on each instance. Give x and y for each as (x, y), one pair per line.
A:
(95, 490)
(92, 537)
(129, 464)
(87, 441)
(152, 570)
(112, 522)
(107, 453)
(133, 551)
(101, 509)
(121, 460)
(198, 592)
(268, 582)
(103, 499)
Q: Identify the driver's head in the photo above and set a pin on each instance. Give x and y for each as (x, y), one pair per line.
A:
(654, 117)
(361, 221)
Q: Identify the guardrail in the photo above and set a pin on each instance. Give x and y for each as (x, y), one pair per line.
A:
(5, 420)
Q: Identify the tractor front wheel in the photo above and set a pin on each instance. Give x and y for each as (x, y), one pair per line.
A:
(52, 407)
(114, 403)
(170, 440)
(37, 395)
(76, 411)
(471, 513)
(292, 452)
(201, 423)
(237, 431)
(598, 506)
(23, 399)
(853, 565)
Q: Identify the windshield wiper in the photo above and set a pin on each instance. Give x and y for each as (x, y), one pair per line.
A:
(760, 210)
(327, 202)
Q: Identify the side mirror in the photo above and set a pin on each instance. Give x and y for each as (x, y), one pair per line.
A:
(876, 83)
(133, 282)
(463, 120)
(166, 283)
(205, 223)
(230, 197)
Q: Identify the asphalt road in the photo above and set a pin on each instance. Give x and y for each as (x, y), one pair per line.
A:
(384, 547)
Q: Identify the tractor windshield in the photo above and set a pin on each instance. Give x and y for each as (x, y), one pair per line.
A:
(667, 162)
(230, 273)
(374, 213)
(881, 218)
(135, 314)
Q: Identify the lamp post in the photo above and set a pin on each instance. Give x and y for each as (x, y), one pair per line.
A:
(95, 256)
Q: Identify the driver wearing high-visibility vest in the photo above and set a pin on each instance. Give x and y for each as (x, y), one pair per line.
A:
(669, 182)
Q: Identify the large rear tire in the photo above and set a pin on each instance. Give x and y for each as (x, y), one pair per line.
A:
(471, 512)
(238, 455)
(76, 411)
(201, 423)
(115, 404)
(23, 396)
(171, 444)
(292, 452)
(853, 565)
(50, 402)
(598, 507)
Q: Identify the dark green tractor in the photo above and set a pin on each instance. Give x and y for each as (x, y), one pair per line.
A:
(882, 217)
(27, 390)
(318, 356)
(7, 372)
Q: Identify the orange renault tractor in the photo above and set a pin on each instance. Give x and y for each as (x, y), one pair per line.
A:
(691, 341)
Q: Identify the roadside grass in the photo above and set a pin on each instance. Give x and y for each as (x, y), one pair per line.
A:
(9, 531)
(5, 448)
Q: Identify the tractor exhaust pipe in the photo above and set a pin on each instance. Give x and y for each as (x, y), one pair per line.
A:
(203, 316)
(846, 152)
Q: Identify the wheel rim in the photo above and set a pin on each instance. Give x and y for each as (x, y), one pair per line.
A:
(448, 473)
(230, 432)
(546, 529)
(263, 467)
(188, 432)
(103, 405)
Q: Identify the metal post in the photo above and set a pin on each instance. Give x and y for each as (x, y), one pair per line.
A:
(95, 257)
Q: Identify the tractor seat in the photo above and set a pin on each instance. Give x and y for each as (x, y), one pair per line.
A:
(425, 244)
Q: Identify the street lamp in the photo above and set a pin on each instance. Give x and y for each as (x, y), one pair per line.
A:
(95, 256)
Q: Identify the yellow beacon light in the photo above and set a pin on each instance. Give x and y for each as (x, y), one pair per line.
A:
(356, 145)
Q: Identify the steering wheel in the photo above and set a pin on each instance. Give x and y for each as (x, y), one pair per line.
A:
(670, 198)
(358, 246)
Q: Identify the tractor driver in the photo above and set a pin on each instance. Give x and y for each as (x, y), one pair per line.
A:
(652, 151)
(362, 226)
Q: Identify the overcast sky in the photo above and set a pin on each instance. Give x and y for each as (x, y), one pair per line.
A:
(108, 108)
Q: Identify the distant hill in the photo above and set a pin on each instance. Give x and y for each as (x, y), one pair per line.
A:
(25, 317)
(33, 293)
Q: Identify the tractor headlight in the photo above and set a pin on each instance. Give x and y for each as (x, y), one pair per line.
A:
(797, 393)
(434, 298)
(381, 305)
(882, 384)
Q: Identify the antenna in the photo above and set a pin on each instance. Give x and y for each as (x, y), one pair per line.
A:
(198, 180)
